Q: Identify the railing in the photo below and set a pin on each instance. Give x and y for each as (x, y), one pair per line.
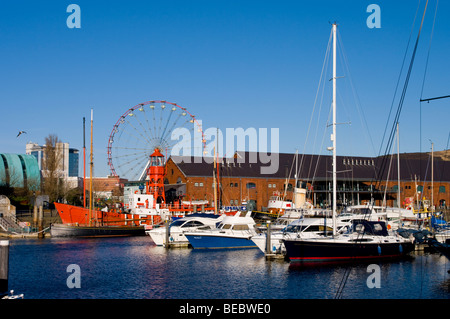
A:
(357, 188)
(10, 222)
(3, 224)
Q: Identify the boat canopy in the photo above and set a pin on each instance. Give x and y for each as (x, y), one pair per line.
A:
(438, 223)
(367, 227)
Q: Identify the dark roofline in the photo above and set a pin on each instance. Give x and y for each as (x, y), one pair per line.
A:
(318, 167)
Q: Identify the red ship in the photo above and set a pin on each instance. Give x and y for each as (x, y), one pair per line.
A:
(145, 209)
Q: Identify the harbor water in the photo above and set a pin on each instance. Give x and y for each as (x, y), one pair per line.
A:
(135, 268)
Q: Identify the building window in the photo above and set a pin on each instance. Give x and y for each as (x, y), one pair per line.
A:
(196, 184)
(251, 185)
(270, 185)
(200, 184)
(420, 188)
(235, 184)
(441, 189)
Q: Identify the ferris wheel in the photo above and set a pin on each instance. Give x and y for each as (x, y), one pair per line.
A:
(146, 126)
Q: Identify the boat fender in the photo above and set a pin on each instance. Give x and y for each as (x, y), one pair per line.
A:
(400, 248)
(379, 250)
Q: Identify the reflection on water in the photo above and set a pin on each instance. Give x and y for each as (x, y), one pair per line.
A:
(130, 268)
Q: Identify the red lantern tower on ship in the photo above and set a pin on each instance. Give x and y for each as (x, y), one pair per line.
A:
(156, 173)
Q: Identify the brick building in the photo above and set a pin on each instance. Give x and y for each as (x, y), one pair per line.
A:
(360, 179)
(106, 187)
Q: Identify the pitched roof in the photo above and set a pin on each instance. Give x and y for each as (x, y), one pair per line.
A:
(318, 167)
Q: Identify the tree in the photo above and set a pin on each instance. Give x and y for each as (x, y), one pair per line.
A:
(52, 168)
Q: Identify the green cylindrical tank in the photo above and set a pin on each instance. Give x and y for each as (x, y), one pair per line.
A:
(19, 170)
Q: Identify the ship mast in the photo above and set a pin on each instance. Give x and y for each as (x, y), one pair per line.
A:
(215, 183)
(398, 168)
(90, 174)
(333, 136)
(84, 163)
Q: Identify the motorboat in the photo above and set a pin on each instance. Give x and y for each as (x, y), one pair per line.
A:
(301, 228)
(192, 222)
(278, 204)
(403, 217)
(394, 217)
(232, 232)
(441, 228)
(442, 236)
(366, 211)
(283, 221)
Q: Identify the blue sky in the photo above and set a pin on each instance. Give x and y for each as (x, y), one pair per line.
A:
(231, 63)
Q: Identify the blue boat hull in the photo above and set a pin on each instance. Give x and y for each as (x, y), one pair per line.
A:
(219, 242)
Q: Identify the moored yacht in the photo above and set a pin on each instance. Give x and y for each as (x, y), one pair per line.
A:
(192, 222)
(301, 228)
(232, 232)
(365, 240)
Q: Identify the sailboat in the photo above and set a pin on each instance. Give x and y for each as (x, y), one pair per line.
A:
(365, 240)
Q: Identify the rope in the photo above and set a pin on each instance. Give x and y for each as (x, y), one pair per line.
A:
(321, 79)
(41, 231)
(390, 140)
(424, 76)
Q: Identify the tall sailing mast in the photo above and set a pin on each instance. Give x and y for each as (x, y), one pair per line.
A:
(91, 169)
(215, 183)
(333, 136)
(84, 163)
(398, 168)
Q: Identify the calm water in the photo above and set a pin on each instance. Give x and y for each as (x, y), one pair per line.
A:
(134, 268)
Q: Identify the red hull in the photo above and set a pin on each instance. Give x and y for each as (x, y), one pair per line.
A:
(78, 215)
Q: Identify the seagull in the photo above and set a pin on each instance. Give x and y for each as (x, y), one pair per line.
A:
(20, 133)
